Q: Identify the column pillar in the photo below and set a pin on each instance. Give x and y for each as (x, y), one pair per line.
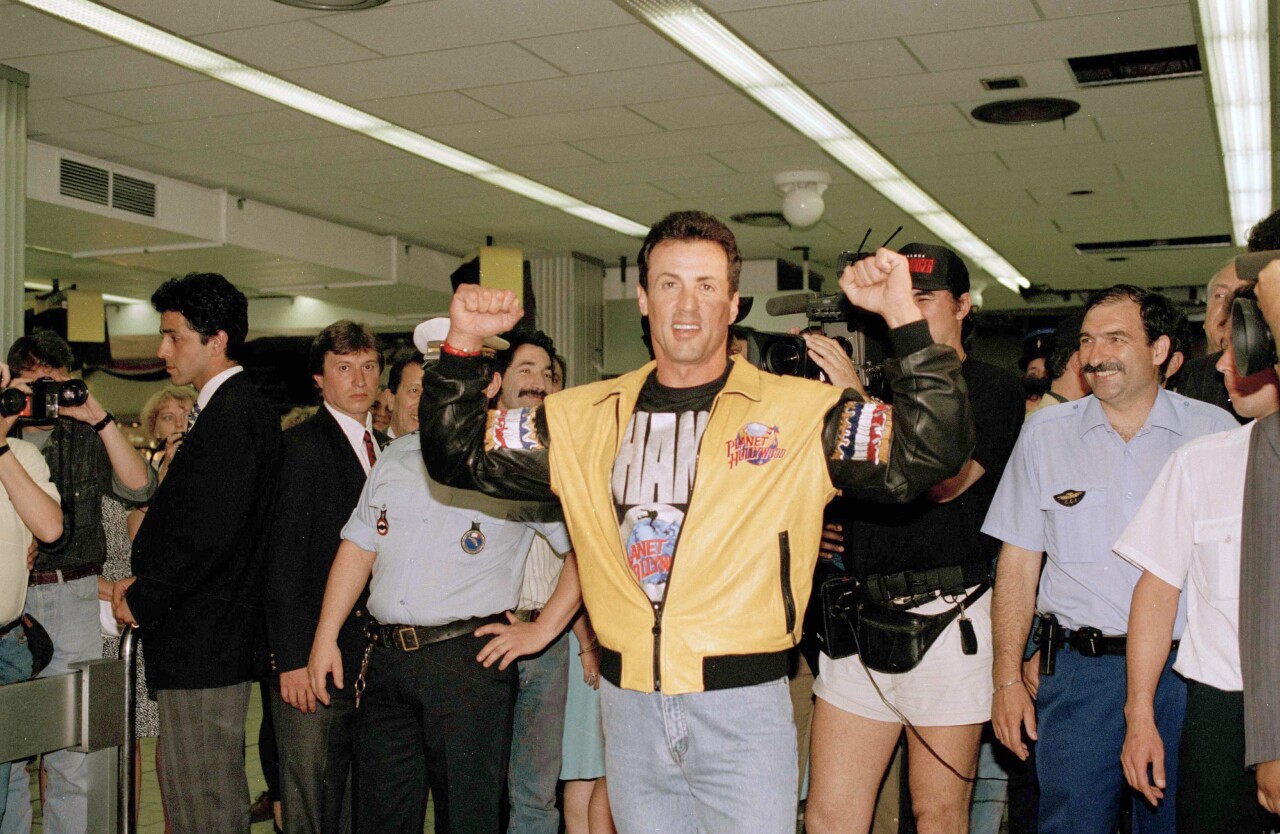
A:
(13, 201)
(570, 303)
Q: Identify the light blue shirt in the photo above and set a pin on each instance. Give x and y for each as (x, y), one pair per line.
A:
(1070, 489)
(423, 574)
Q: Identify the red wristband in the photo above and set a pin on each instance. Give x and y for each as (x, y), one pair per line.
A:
(445, 347)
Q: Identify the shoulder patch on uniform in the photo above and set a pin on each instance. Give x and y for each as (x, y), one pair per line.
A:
(865, 432)
(1070, 497)
(512, 429)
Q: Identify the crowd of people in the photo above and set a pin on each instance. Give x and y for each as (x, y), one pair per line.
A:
(609, 606)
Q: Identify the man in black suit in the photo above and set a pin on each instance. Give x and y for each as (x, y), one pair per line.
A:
(323, 466)
(196, 592)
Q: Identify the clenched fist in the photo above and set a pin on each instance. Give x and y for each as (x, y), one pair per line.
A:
(477, 312)
(882, 284)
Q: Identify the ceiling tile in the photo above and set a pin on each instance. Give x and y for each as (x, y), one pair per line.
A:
(282, 46)
(601, 89)
(429, 109)
(198, 18)
(844, 21)
(847, 62)
(991, 139)
(56, 115)
(619, 47)
(698, 140)
(540, 157)
(648, 170)
(98, 71)
(428, 72)
(703, 111)
(327, 151)
(1077, 8)
(1174, 125)
(98, 143)
(447, 24)
(925, 118)
(366, 173)
(1062, 38)
(799, 156)
(24, 32)
(555, 127)
(1043, 78)
(180, 102)
(924, 168)
(245, 129)
(194, 166)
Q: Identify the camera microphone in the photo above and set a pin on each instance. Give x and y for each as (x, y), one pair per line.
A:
(788, 305)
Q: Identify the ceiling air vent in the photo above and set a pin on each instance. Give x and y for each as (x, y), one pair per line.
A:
(133, 195)
(1130, 67)
(1153, 244)
(1013, 82)
(84, 182)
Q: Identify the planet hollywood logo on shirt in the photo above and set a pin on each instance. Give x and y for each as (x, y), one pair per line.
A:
(756, 443)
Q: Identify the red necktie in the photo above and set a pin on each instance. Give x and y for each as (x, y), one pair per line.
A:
(368, 448)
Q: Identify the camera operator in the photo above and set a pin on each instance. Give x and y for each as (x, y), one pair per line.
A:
(919, 558)
(28, 510)
(88, 457)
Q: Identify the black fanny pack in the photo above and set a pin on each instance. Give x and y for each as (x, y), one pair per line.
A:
(888, 639)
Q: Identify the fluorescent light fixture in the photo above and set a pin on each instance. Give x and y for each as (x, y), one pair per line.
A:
(706, 39)
(170, 47)
(39, 286)
(1236, 47)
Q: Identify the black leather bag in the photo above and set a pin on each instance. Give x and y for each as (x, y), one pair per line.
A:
(895, 641)
(838, 596)
(39, 643)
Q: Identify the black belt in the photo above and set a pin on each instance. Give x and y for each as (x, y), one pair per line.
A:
(953, 579)
(1091, 642)
(410, 638)
(49, 577)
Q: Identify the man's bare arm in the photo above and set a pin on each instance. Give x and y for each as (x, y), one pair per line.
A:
(347, 578)
(1151, 616)
(1012, 607)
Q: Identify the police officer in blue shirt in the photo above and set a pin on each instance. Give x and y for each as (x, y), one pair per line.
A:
(441, 562)
(1077, 475)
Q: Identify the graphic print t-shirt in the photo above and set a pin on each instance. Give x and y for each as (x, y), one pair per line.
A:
(653, 476)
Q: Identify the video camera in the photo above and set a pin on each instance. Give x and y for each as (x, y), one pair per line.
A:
(1251, 339)
(46, 398)
(828, 313)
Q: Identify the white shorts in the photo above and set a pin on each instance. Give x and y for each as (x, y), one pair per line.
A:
(947, 689)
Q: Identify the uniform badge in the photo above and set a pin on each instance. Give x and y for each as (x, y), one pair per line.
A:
(473, 540)
(383, 526)
(1069, 498)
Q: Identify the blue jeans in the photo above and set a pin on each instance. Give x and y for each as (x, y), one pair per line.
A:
(15, 665)
(719, 762)
(535, 735)
(1080, 718)
(69, 612)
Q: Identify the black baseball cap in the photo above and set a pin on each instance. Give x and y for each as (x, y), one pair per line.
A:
(936, 268)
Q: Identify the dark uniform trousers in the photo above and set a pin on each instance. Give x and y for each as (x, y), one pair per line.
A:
(433, 717)
(315, 753)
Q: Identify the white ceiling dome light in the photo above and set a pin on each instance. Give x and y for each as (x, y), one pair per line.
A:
(802, 203)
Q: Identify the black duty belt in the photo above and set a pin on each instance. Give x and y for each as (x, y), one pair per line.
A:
(1091, 642)
(954, 579)
(410, 638)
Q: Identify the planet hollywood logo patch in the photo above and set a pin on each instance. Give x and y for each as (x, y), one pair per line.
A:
(756, 443)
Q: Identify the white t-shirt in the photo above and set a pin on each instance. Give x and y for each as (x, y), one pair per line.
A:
(1187, 533)
(15, 538)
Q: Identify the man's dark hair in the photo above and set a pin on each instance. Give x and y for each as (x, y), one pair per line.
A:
(43, 347)
(1159, 315)
(691, 226)
(209, 303)
(343, 337)
(396, 374)
(558, 359)
(518, 339)
(1265, 234)
(1056, 365)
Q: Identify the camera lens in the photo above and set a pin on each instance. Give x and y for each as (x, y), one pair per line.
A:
(785, 357)
(73, 392)
(12, 401)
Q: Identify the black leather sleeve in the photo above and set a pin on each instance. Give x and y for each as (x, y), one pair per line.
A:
(452, 418)
(932, 431)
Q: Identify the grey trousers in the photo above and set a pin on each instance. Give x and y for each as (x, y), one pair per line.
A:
(206, 790)
(316, 753)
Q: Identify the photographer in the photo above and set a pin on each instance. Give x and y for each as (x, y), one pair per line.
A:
(919, 559)
(88, 457)
(28, 510)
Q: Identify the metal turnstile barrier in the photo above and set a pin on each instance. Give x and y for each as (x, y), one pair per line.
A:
(89, 710)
